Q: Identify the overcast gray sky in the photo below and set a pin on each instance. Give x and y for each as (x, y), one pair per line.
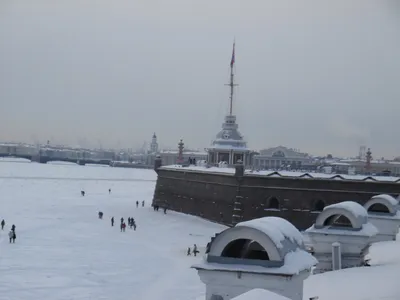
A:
(322, 76)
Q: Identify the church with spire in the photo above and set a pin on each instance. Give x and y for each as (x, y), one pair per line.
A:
(229, 145)
(154, 144)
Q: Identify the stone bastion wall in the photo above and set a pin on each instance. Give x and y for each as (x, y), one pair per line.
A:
(231, 198)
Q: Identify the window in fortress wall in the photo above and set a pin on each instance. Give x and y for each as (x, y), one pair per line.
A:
(318, 205)
(272, 204)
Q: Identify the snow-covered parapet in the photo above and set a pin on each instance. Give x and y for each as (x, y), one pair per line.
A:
(383, 213)
(266, 253)
(346, 223)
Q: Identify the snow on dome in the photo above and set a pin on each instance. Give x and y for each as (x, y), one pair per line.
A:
(388, 198)
(260, 294)
(356, 214)
(277, 229)
(382, 205)
(356, 209)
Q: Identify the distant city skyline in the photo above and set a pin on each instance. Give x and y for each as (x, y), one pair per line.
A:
(320, 76)
(146, 146)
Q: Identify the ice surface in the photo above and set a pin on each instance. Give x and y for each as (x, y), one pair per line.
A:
(64, 252)
(277, 229)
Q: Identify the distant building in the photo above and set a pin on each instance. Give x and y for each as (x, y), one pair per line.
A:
(170, 157)
(377, 167)
(17, 149)
(154, 144)
(279, 157)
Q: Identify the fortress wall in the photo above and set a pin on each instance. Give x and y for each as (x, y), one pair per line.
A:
(198, 194)
(209, 194)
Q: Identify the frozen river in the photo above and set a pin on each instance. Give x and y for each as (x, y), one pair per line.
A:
(63, 251)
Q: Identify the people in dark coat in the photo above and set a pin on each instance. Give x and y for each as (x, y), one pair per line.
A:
(195, 251)
(137, 203)
(112, 221)
(109, 191)
(11, 235)
(143, 203)
(13, 227)
(188, 252)
(100, 215)
(3, 223)
(83, 193)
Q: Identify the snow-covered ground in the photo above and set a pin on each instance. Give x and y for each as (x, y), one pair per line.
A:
(63, 251)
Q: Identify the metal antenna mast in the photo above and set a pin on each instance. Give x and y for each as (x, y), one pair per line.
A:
(231, 83)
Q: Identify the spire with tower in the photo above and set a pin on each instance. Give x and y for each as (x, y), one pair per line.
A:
(181, 146)
(368, 160)
(154, 144)
(229, 145)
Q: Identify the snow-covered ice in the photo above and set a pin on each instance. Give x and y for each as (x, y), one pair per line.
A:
(63, 251)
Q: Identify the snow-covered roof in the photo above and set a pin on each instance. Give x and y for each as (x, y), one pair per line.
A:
(304, 175)
(368, 230)
(281, 241)
(388, 201)
(387, 198)
(353, 211)
(355, 208)
(260, 294)
(294, 263)
(277, 229)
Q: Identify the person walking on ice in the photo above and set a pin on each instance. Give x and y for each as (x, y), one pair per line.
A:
(2, 224)
(12, 236)
(137, 203)
(143, 203)
(195, 251)
(123, 226)
(112, 221)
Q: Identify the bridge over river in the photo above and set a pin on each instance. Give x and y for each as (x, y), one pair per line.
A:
(47, 154)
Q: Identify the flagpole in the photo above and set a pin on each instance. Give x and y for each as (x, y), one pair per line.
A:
(231, 82)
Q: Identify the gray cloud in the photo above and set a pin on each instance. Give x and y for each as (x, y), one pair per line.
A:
(316, 75)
